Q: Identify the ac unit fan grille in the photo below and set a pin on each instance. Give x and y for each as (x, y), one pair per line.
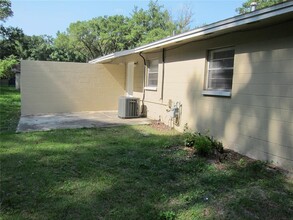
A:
(128, 107)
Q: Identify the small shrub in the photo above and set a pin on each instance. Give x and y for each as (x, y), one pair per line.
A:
(203, 145)
(189, 139)
(188, 136)
(167, 215)
(242, 162)
(216, 145)
(6, 67)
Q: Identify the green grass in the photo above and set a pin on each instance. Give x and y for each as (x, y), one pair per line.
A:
(9, 109)
(131, 172)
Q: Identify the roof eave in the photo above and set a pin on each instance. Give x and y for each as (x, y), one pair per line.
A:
(208, 29)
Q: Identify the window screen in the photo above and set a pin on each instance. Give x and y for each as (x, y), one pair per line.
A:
(220, 69)
(152, 80)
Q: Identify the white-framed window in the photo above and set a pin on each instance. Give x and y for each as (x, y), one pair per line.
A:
(152, 74)
(219, 72)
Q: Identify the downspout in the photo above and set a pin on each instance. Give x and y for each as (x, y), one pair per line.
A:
(163, 75)
(143, 93)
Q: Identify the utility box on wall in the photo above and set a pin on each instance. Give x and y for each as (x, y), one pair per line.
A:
(128, 107)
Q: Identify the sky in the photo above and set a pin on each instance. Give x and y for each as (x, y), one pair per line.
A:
(47, 17)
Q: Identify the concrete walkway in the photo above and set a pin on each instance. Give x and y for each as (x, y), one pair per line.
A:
(75, 120)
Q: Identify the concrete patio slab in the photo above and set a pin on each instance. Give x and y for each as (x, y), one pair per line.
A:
(75, 120)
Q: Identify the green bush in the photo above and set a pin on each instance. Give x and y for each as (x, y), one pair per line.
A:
(167, 215)
(216, 145)
(203, 143)
(6, 67)
(189, 138)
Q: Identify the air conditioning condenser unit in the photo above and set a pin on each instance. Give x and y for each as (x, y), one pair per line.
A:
(128, 107)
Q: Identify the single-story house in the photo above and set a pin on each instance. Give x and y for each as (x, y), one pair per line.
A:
(233, 78)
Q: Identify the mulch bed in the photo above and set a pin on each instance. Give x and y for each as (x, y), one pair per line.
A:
(220, 161)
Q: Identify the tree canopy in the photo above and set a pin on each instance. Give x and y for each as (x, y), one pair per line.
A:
(245, 8)
(103, 35)
(5, 9)
(85, 40)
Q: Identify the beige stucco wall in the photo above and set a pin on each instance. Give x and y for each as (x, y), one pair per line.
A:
(53, 87)
(138, 72)
(257, 119)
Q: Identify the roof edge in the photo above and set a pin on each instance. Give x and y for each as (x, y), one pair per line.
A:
(235, 21)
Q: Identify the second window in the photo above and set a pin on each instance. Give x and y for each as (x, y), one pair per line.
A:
(220, 69)
(152, 76)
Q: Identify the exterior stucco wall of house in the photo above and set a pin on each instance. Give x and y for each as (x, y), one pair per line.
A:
(55, 87)
(138, 76)
(257, 120)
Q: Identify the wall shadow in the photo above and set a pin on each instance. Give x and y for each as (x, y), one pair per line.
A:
(257, 119)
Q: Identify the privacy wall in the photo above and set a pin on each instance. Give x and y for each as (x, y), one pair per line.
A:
(56, 87)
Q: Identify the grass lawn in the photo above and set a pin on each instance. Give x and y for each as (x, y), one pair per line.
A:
(130, 172)
(9, 109)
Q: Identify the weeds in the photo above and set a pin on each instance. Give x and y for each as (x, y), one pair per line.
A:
(204, 144)
(167, 215)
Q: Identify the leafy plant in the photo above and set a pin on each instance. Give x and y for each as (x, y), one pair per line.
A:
(216, 145)
(242, 162)
(167, 215)
(189, 139)
(203, 143)
(188, 136)
(6, 67)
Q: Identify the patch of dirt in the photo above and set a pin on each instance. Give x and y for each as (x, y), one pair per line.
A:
(220, 161)
(226, 159)
(190, 150)
(160, 126)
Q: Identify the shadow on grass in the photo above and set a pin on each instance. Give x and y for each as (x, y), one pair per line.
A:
(130, 173)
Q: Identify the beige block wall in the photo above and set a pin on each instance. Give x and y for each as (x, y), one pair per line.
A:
(257, 120)
(55, 87)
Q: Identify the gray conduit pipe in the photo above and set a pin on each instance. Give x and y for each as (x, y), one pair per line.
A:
(143, 94)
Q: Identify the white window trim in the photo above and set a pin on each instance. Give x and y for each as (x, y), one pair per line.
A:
(217, 92)
(150, 88)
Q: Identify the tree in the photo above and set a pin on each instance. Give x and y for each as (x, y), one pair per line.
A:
(64, 50)
(245, 8)
(38, 47)
(5, 10)
(150, 25)
(12, 42)
(6, 67)
(96, 37)
(84, 40)
(184, 19)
